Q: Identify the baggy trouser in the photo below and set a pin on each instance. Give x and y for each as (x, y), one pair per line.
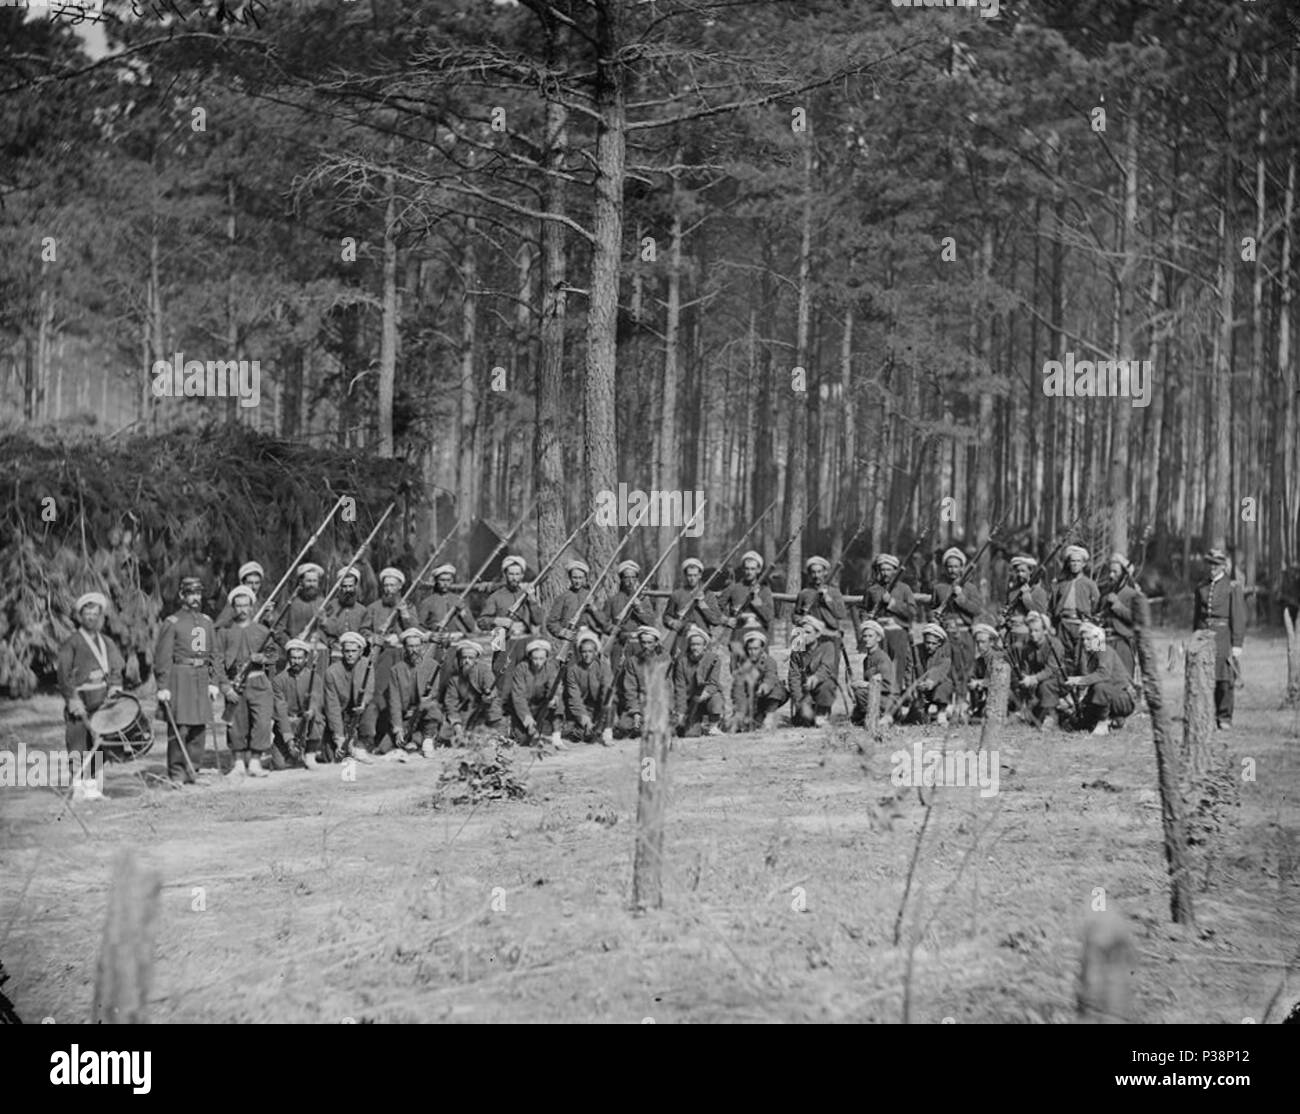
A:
(76, 732)
(1105, 700)
(251, 717)
(861, 698)
(700, 713)
(751, 707)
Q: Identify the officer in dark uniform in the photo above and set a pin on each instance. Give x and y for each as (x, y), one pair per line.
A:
(185, 663)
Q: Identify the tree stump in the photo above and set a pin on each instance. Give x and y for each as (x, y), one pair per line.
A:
(1292, 659)
(126, 953)
(1168, 771)
(1209, 786)
(1104, 991)
(652, 793)
(995, 704)
(1198, 704)
(873, 709)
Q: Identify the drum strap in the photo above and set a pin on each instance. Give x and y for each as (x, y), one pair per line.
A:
(97, 648)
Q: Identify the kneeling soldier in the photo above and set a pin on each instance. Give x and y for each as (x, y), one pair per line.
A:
(349, 693)
(1037, 666)
(757, 693)
(987, 652)
(696, 678)
(250, 704)
(934, 682)
(1108, 700)
(876, 662)
(469, 696)
(299, 693)
(812, 672)
(630, 683)
(412, 707)
(90, 670)
(588, 690)
(533, 696)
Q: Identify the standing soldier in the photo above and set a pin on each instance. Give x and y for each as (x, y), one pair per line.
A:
(1116, 613)
(299, 696)
(812, 672)
(251, 575)
(446, 620)
(249, 701)
(821, 601)
(412, 707)
(514, 616)
(563, 619)
(892, 609)
(349, 693)
(684, 609)
(757, 693)
(745, 601)
(1108, 700)
(876, 662)
(469, 695)
(384, 618)
(90, 670)
(345, 612)
(185, 664)
(1037, 665)
(1072, 601)
(302, 604)
(955, 608)
(696, 678)
(1221, 607)
(640, 614)
(1022, 599)
(588, 688)
(630, 681)
(934, 681)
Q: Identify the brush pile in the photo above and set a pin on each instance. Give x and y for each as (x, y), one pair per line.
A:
(129, 517)
(485, 773)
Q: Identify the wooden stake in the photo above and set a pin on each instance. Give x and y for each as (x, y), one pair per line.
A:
(126, 953)
(1168, 771)
(652, 795)
(873, 708)
(1292, 659)
(1104, 990)
(995, 706)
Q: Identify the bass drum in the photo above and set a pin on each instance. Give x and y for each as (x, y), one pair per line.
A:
(123, 729)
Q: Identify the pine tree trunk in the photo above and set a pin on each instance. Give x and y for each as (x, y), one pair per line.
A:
(388, 329)
(1121, 408)
(467, 457)
(798, 473)
(667, 473)
(1221, 398)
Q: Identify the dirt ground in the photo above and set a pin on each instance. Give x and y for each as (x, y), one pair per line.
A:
(307, 898)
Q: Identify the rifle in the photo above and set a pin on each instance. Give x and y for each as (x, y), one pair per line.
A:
(893, 581)
(844, 654)
(789, 542)
(320, 608)
(607, 641)
(551, 563)
(699, 593)
(298, 560)
(971, 566)
(415, 580)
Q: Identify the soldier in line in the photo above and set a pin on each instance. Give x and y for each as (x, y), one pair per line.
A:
(1072, 601)
(349, 694)
(893, 610)
(563, 619)
(821, 601)
(1116, 610)
(686, 606)
(298, 693)
(440, 614)
(345, 612)
(588, 688)
(876, 662)
(302, 604)
(812, 672)
(514, 616)
(630, 681)
(1036, 667)
(640, 614)
(1022, 599)
(956, 607)
(469, 696)
(90, 668)
(1220, 606)
(935, 682)
(534, 697)
(696, 678)
(383, 619)
(246, 687)
(1108, 699)
(412, 706)
(745, 600)
(251, 575)
(185, 664)
(757, 693)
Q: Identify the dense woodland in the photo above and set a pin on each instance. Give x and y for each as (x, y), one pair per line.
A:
(817, 250)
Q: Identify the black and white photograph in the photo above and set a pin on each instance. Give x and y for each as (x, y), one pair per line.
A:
(649, 512)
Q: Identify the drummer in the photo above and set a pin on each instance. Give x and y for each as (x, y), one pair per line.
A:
(89, 672)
